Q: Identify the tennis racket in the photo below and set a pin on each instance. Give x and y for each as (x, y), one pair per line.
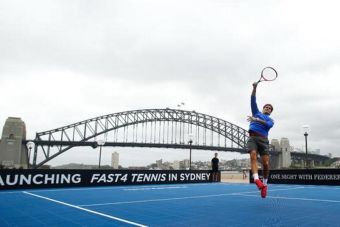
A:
(268, 74)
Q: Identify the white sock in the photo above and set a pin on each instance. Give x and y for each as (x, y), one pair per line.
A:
(256, 176)
(265, 181)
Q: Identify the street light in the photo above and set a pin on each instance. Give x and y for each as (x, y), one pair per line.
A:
(29, 146)
(100, 143)
(190, 143)
(306, 130)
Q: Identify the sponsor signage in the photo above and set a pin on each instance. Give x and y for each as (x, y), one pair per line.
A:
(20, 179)
(303, 176)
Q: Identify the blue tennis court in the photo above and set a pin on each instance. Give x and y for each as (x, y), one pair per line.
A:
(211, 204)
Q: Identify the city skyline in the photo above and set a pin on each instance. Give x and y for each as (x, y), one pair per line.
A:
(160, 164)
(166, 155)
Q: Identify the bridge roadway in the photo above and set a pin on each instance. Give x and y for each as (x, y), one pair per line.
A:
(130, 144)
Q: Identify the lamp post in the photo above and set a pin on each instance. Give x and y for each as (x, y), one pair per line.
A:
(29, 146)
(190, 143)
(306, 130)
(100, 143)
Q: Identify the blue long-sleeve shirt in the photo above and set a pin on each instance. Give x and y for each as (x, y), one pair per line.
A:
(258, 127)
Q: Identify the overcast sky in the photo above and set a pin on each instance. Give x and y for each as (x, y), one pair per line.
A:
(66, 61)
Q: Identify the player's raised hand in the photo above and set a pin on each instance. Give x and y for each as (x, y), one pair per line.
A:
(251, 118)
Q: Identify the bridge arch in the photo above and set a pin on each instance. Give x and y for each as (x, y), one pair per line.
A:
(84, 133)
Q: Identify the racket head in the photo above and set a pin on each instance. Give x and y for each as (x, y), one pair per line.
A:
(268, 74)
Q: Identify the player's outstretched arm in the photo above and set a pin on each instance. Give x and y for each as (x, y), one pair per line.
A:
(253, 93)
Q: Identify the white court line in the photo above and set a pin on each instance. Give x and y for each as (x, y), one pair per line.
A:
(98, 188)
(157, 200)
(152, 188)
(10, 192)
(91, 188)
(272, 190)
(104, 188)
(292, 198)
(271, 185)
(118, 187)
(179, 198)
(87, 210)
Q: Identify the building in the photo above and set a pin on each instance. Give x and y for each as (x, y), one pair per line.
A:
(284, 152)
(176, 165)
(314, 151)
(276, 144)
(115, 160)
(284, 144)
(286, 159)
(13, 153)
(159, 163)
(185, 164)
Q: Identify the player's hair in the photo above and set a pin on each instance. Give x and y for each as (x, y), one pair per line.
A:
(269, 105)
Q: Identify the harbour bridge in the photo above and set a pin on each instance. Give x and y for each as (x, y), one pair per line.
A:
(155, 128)
(152, 128)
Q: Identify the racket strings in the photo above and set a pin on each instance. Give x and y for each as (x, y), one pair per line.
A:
(268, 74)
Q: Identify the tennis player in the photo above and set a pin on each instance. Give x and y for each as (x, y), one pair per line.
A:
(258, 143)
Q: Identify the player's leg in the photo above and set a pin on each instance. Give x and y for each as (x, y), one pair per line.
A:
(254, 169)
(265, 164)
(252, 148)
(264, 153)
(263, 149)
(253, 163)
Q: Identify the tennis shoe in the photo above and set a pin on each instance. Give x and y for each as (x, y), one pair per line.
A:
(264, 191)
(259, 184)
